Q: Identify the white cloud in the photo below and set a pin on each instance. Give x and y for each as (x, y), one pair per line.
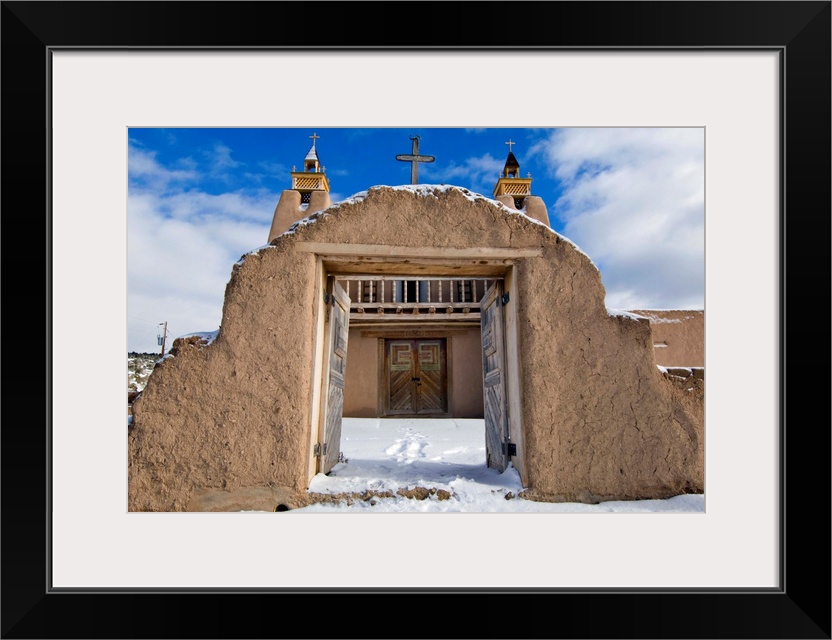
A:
(221, 159)
(633, 199)
(479, 172)
(221, 163)
(180, 251)
(142, 165)
(279, 169)
(197, 206)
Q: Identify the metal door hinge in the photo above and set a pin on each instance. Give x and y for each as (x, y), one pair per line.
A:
(509, 449)
(320, 449)
(505, 298)
(326, 297)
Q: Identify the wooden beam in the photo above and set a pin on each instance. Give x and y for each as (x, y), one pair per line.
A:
(417, 268)
(412, 333)
(333, 249)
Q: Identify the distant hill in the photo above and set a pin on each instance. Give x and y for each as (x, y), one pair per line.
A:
(139, 366)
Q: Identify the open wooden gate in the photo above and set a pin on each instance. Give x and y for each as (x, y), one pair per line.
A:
(337, 320)
(498, 448)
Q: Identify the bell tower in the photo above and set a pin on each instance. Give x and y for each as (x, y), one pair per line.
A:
(510, 183)
(309, 193)
(313, 176)
(516, 192)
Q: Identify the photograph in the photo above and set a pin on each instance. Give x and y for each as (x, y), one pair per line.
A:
(434, 314)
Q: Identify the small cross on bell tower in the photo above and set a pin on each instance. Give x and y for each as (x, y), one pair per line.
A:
(510, 183)
(313, 177)
(309, 193)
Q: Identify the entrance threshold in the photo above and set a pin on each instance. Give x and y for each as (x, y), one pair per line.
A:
(387, 454)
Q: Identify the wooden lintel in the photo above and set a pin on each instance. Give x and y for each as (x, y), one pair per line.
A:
(423, 268)
(430, 318)
(413, 333)
(366, 251)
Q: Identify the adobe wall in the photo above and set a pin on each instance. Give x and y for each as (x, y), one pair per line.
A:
(678, 336)
(466, 374)
(361, 386)
(290, 209)
(599, 420)
(533, 206)
(232, 414)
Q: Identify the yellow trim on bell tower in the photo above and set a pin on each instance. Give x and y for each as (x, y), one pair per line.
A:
(313, 177)
(510, 183)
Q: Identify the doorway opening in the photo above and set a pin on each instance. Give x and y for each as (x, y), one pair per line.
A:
(411, 320)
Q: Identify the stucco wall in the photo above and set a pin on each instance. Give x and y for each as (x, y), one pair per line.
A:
(361, 380)
(678, 336)
(599, 420)
(466, 374)
(289, 209)
(234, 413)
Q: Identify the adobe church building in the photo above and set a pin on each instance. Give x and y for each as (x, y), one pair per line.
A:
(424, 301)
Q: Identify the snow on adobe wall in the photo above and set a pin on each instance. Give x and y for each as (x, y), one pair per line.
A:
(599, 419)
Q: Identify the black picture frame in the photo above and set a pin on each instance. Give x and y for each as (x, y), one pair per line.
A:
(799, 608)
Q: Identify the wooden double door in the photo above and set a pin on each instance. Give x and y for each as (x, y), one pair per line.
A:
(415, 377)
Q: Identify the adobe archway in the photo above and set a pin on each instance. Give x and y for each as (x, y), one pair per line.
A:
(595, 418)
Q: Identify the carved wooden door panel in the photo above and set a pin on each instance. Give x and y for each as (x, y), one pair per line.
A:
(338, 305)
(494, 384)
(401, 386)
(417, 380)
(431, 377)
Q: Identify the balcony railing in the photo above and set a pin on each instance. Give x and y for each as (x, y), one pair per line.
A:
(374, 298)
(310, 180)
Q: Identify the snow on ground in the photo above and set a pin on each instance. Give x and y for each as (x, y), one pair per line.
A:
(444, 454)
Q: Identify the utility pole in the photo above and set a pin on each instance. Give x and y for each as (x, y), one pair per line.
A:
(163, 338)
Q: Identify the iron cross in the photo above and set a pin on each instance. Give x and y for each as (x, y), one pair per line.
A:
(414, 159)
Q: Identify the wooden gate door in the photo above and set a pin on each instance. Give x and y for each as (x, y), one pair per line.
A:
(494, 383)
(337, 331)
(416, 377)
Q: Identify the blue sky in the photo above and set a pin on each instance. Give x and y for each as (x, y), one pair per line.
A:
(248, 160)
(199, 198)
